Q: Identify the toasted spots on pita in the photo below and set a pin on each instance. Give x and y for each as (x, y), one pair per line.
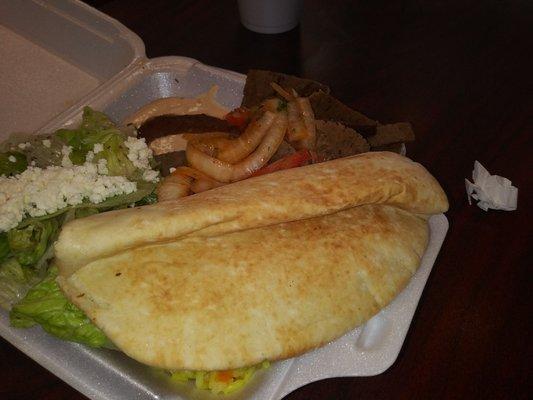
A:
(262, 293)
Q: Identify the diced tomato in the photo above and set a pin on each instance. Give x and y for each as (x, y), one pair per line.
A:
(224, 376)
(298, 159)
(238, 117)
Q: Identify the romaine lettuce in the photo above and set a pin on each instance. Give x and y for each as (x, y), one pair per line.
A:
(95, 128)
(4, 246)
(34, 148)
(143, 195)
(25, 251)
(29, 243)
(12, 163)
(46, 305)
(15, 281)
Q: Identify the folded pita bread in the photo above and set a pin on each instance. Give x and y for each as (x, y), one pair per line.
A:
(265, 268)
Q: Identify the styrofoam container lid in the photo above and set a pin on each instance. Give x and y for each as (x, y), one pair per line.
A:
(55, 53)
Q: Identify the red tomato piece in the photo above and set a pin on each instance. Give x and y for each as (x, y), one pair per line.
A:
(224, 376)
(298, 159)
(238, 117)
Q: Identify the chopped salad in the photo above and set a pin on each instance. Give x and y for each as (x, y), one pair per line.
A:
(47, 180)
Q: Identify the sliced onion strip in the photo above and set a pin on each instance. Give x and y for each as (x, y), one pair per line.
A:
(282, 92)
(183, 182)
(242, 146)
(225, 172)
(308, 119)
(174, 186)
(297, 129)
(232, 150)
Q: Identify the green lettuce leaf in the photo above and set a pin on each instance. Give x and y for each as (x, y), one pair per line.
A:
(46, 305)
(15, 282)
(85, 212)
(12, 163)
(30, 242)
(145, 194)
(118, 163)
(95, 120)
(34, 149)
(25, 252)
(150, 198)
(4, 246)
(95, 128)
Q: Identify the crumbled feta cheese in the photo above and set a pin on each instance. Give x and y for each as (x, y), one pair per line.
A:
(98, 147)
(150, 175)
(65, 161)
(102, 166)
(12, 158)
(172, 170)
(39, 191)
(140, 154)
(89, 157)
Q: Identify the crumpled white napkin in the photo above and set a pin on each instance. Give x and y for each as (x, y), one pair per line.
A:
(492, 191)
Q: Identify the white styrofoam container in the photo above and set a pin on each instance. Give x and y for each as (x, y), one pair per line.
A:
(53, 55)
(119, 85)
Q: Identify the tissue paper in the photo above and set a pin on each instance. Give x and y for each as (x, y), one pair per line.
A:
(491, 191)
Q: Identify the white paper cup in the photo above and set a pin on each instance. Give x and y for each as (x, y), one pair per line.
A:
(270, 16)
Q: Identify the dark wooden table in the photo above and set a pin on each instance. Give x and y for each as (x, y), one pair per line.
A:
(460, 71)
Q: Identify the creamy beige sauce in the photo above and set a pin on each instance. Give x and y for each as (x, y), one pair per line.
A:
(167, 144)
(203, 104)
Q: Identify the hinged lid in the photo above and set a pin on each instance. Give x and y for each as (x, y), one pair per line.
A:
(53, 54)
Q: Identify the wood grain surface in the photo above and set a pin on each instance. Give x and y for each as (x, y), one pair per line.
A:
(460, 72)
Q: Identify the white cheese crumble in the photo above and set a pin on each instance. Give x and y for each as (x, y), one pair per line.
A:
(39, 191)
(139, 154)
(102, 166)
(97, 148)
(65, 161)
(89, 157)
(172, 170)
(12, 158)
(149, 175)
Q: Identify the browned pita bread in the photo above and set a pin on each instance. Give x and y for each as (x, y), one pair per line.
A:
(265, 268)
